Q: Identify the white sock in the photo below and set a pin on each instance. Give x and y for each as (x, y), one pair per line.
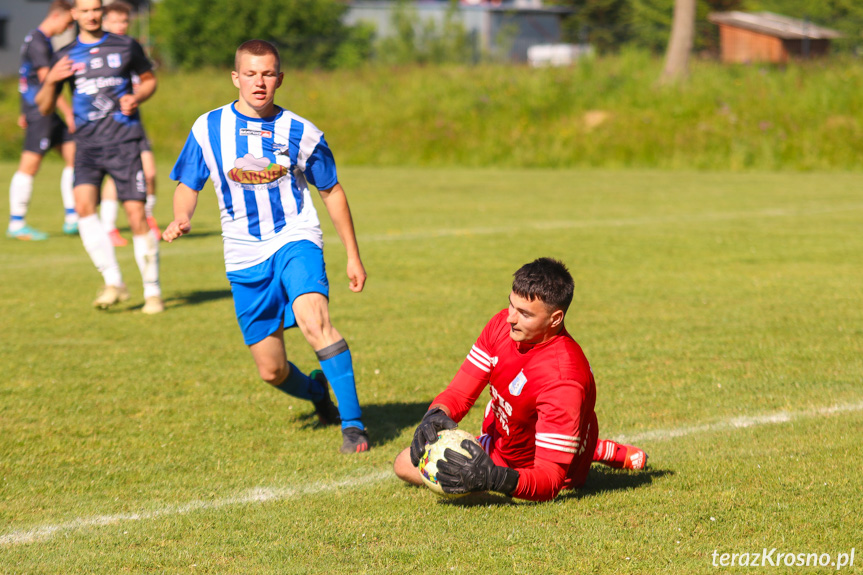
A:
(20, 191)
(101, 250)
(149, 205)
(147, 256)
(108, 214)
(67, 184)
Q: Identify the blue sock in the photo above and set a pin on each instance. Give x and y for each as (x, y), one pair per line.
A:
(301, 385)
(338, 366)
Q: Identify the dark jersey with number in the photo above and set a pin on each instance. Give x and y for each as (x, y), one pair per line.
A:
(36, 53)
(102, 74)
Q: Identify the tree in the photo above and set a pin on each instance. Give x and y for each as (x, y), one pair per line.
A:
(602, 23)
(309, 33)
(680, 43)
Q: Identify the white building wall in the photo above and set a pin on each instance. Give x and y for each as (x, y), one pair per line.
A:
(22, 16)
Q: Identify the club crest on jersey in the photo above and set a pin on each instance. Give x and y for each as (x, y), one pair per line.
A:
(96, 63)
(252, 170)
(517, 384)
(255, 132)
(114, 60)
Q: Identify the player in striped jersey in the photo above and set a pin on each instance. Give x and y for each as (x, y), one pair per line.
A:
(540, 431)
(261, 158)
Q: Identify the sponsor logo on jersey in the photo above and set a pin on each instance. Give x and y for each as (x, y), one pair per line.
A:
(96, 63)
(91, 86)
(255, 132)
(94, 50)
(252, 170)
(114, 60)
(517, 384)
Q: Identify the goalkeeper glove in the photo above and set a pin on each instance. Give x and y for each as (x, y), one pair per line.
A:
(460, 474)
(433, 421)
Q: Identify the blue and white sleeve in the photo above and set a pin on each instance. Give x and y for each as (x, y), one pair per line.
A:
(321, 167)
(190, 168)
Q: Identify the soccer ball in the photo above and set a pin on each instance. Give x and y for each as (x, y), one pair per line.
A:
(448, 438)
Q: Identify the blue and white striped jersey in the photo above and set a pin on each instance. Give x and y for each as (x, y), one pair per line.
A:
(260, 168)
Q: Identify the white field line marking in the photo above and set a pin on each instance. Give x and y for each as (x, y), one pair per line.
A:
(181, 249)
(266, 494)
(251, 496)
(738, 423)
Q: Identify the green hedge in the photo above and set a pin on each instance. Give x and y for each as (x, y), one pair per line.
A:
(606, 112)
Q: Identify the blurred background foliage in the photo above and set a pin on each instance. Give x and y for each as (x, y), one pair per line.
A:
(311, 33)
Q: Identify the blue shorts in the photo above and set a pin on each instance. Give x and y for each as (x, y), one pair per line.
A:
(264, 294)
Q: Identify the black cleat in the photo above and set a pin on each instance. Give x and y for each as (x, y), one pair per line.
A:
(326, 411)
(356, 440)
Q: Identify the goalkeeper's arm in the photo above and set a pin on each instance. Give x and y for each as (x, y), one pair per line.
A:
(462, 474)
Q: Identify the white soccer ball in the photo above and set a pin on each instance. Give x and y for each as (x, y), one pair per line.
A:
(448, 438)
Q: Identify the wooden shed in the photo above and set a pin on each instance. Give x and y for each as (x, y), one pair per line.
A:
(766, 37)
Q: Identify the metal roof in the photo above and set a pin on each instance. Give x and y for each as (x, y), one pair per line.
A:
(774, 25)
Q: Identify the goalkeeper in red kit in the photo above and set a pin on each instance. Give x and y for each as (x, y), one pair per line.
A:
(540, 432)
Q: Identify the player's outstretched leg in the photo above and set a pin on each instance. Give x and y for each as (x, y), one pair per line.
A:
(20, 191)
(312, 387)
(337, 365)
(325, 409)
(619, 455)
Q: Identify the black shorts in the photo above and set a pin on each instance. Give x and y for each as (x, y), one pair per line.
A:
(122, 162)
(44, 133)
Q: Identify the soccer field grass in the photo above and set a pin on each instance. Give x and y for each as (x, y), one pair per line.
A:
(722, 315)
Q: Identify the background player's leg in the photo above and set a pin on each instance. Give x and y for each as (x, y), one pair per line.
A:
(67, 185)
(108, 209)
(148, 161)
(99, 247)
(20, 192)
(146, 255)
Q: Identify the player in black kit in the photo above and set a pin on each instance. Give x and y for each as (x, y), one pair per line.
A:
(99, 66)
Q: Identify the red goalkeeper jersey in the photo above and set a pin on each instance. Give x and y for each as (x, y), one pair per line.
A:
(542, 401)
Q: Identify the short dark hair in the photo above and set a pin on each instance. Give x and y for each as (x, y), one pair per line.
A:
(59, 6)
(547, 280)
(117, 6)
(257, 48)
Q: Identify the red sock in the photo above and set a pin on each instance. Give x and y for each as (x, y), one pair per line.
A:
(619, 455)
